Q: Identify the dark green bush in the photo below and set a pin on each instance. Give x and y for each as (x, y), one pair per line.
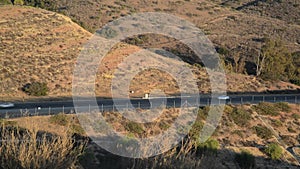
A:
(245, 160)
(283, 106)
(274, 151)
(36, 89)
(263, 132)
(60, 119)
(134, 127)
(240, 116)
(265, 108)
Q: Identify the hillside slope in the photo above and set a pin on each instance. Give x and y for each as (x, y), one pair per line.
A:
(227, 23)
(37, 45)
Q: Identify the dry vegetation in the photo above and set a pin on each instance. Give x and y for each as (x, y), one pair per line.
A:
(43, 47)
(37, 45)
(243, 129)
(26, 143)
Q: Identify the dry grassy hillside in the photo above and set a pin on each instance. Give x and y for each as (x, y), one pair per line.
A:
(37, 45)
(224, 24)
(286, 10)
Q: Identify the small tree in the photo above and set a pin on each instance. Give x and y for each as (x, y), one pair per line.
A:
(274, 61)
(36, 89)
(274, 151)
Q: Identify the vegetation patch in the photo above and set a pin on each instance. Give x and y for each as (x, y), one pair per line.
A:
(60, 119)
(283, 106)
(134, 127)
(274, 151)
(209, 146)
(22, 148)
(265, 108)
(263, 132)
(36, 89)
(240, 116)
(296, 116)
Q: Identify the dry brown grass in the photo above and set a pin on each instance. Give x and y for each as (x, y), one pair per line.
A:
(31, 147)
(38, 45)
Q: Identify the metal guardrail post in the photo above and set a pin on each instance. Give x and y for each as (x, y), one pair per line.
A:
(63, 108)
(49, 110)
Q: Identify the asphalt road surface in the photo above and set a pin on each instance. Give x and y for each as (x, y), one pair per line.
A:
(55, 107)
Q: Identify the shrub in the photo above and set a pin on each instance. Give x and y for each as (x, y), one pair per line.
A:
(277, 123)
(223, 51)
(36, 89)
(238, 132)
(18, 2)
(5, 2)
(29, 149)
(245, 160)
(211, 145)
(274, 151)
(59, 119)
(296, 116)
(240, 116)
(263, 132)
(283, 106)
(194, 133)
(134, 127)
(75, 128)
(265, 108)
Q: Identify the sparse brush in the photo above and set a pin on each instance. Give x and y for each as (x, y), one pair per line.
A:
(29, 148)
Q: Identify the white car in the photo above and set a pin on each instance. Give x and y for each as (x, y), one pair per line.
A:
(224, 97)
(6, 105)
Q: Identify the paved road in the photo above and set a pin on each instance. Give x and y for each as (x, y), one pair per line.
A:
(54, 107)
